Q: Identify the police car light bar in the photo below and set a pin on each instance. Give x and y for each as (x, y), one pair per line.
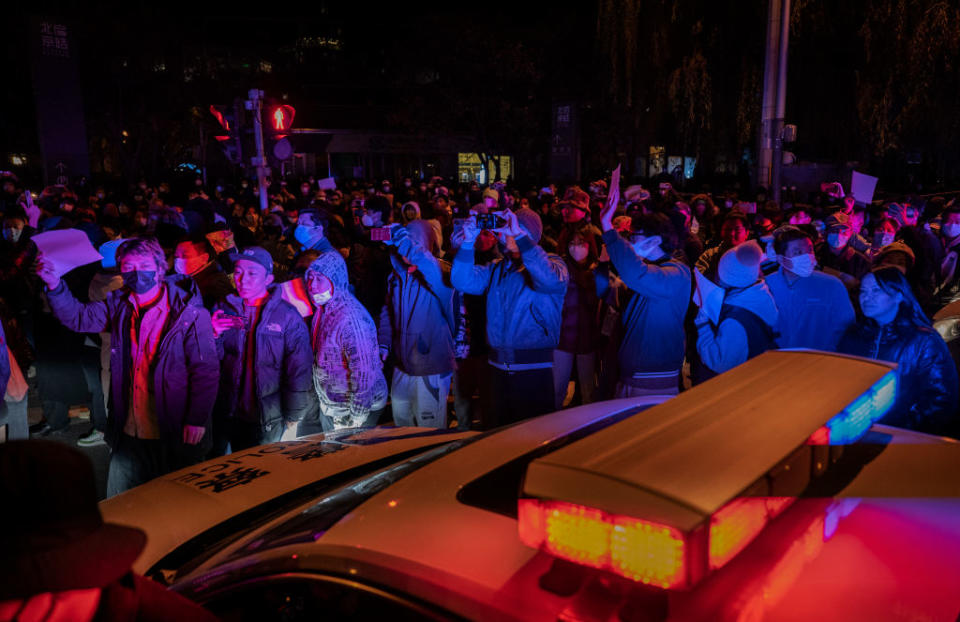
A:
(678, 490)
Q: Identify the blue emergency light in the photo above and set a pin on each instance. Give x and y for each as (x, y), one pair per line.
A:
(853, 421)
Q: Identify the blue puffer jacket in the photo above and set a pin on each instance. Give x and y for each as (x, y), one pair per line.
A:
(524, 298)
(927, 385)
(186, 367)
(284, 362)
(653, 335)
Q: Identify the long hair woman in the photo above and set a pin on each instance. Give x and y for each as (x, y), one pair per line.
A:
(894, 328)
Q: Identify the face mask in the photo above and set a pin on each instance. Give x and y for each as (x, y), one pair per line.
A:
(838, 240)
(645, 249)
(322, 298)
(100, 195)
(579, 252)
(407, 184)
(694, 226)
(243, 185)
(367, 220)
(140, 281)
(951, 231)
(801, 265)
(887, 239)
(303, 234)
(12, 235)
(67, 207)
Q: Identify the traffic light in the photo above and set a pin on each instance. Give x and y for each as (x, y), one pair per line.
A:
(230, 119)
(279, 120)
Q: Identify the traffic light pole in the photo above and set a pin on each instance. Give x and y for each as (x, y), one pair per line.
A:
(255, 105)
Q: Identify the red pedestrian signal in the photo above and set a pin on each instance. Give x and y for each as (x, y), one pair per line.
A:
(280, 119)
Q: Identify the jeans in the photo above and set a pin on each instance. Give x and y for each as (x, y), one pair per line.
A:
(14, 416)
(234, 435)
(90, 366)
(420, 400)
(563, 365)
(518, 395)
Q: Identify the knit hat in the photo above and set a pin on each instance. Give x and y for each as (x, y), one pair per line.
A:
(884, 257)
(575, 197)
(491, 193)
(740, 266)
(531, 222)
(837, 220)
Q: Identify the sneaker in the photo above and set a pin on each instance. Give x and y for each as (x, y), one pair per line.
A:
(40, 429)
(94, 438)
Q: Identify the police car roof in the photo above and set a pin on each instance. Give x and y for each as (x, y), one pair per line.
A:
(679, 462)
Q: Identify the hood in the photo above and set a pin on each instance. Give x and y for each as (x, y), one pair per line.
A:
(757, 299)
(331, 265)
(182, 291)
(425, 234)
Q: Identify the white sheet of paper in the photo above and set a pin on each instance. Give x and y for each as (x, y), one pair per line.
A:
(708, 296)
(615, 182)
(862, 187)
(327, 183)
(295, 292)
(66, 249)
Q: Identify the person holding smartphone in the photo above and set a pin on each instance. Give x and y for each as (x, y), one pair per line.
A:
(265, 359)
(525, 291)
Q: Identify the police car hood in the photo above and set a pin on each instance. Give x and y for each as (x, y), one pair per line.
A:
(181, 505)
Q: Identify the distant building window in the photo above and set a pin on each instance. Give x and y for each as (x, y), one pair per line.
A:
(159, 67)
(266, 67)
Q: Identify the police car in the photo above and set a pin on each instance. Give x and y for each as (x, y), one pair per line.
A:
(767, 493)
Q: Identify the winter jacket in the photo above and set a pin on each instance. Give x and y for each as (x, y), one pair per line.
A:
(524, 298)
(417, 322)
(814, 311)
(849, 266)
(652, 320)
(927, 385)
(186, 367)
(283, 362)
(727, 345)
(347, 373)
(579, 328)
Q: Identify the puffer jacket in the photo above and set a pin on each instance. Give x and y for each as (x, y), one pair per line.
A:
(927, 385)
(524, 298)
(727, 345)
(186, 367)
(652, 319)
(417, 321)
(347, 372)
(283, 364)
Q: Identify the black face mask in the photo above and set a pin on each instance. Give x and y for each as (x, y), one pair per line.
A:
(140, 281)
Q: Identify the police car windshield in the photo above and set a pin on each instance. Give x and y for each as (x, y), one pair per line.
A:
(310, 524)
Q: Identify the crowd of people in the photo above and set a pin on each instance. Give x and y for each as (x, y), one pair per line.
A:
(211, 326)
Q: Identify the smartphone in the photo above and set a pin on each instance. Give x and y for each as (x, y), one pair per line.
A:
(490, 221)
(381, 234)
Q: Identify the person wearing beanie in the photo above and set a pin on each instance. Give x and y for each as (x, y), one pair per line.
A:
(814, 308)
(747, 317)
(265, 360)
(417, 325)
(655, 293)
(525, 292)
(347, 371)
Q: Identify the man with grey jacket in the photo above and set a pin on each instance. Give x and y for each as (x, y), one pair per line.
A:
(416, 324)
(525, 292)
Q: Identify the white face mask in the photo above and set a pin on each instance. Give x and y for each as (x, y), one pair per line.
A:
(694, 226)
(180, 266)
(366, 220)
(322, 298)
(579, 252)
(951, 230)
(801, 265)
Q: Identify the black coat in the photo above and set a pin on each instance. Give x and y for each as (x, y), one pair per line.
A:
(926, 375)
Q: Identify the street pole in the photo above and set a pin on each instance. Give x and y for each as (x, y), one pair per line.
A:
(781, 100)
(768, 105)
(255, 105)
